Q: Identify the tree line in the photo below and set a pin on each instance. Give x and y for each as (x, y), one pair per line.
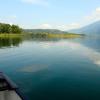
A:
(7, 28)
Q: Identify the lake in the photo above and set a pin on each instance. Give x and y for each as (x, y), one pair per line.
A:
(53, 69)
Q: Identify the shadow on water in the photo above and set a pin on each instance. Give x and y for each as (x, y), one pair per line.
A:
(10, 42)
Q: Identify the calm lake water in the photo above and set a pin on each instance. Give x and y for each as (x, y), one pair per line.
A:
(58, 69)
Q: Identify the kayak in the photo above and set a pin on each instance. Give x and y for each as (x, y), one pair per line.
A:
(8, 89)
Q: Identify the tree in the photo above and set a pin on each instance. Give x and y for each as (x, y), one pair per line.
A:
(15, 29)
(7, 28)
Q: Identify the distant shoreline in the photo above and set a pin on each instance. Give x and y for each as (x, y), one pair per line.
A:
(47, 35)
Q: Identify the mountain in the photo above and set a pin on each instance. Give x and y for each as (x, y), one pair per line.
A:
(92, 29)
(55, 31)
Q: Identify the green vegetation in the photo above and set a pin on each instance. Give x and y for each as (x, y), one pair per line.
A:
(52, 35)
(39, 31)
(14, 31)
(9, 29)
(70, 35)
(40, 35)
(6, 35)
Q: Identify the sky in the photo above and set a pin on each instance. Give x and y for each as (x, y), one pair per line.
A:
(50, 14)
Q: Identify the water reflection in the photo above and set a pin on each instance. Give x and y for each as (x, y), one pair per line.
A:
(45, 43)
(34, 68)
(52, 68)
(9, 42)
(92, 42)
(79, 48)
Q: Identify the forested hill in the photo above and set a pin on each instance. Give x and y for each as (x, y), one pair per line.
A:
(54, 31)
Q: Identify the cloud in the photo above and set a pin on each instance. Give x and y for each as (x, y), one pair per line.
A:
(37, 2)
(69, 26)
(98, 10)
(73, 25)
(85, 20)
(90, 18)
(43, 26)
(61, 27)
(93, 16)
(11, 19)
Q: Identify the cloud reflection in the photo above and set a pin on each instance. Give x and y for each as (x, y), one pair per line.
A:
(76, 47)
(34, 68)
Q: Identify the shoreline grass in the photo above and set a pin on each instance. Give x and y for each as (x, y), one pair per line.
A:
(50, 35)
(64, 35)
(11, 35)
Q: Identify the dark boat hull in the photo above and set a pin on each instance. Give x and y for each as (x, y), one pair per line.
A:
(8, 89)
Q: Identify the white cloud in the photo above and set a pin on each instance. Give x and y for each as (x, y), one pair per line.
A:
(60, 27)
(11, 19)
(98, 10)
(37, 2)
(43, 26)
(69, 26)
(73, 25)
(94, 16)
